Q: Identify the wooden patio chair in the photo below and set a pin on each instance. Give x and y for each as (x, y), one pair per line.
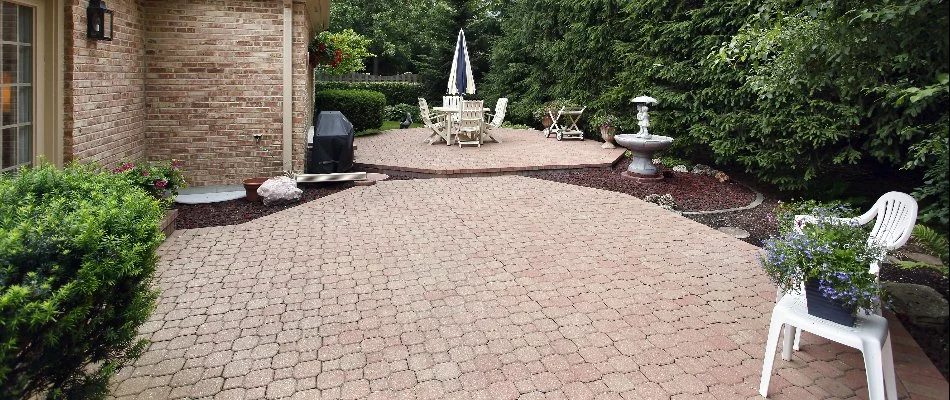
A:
(436, 125)
(496, 119)
(471, 123)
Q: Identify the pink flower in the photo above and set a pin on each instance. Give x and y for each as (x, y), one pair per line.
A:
(161, 184)
(144, 173)
(175, 165)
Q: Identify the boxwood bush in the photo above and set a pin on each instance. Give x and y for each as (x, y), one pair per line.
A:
(77, 256)
(364, 108)
(395, 92)
(398, 112)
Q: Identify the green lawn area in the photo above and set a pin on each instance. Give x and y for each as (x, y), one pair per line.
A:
(387, 125)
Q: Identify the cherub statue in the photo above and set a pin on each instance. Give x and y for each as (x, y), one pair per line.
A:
(643, 120)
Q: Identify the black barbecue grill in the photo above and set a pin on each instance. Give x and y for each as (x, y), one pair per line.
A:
(330, 147)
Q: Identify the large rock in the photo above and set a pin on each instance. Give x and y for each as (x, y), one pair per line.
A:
(279, 190)
(665, 201)
(923, 305)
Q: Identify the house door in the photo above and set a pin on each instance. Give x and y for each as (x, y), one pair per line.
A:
(16, 86)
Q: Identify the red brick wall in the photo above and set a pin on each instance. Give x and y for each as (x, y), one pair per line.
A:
(104, 93)
(192, 80)
(214, 80)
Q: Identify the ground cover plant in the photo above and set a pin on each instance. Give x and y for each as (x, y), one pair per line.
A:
(77, 255)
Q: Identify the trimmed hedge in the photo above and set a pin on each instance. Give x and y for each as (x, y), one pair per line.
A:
(77, 257)
(395, 92)
(364, 108)
(398, 112)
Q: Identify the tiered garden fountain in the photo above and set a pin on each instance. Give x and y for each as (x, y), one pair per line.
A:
(642, 144)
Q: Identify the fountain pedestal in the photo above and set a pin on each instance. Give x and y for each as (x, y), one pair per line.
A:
(642, 149)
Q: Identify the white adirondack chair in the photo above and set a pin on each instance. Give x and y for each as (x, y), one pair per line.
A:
(471, 123)
(496, 119)
(436, 124)
(894, 214)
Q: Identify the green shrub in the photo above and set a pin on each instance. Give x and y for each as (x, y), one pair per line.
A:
(395, 92)
(77, 256)
(398, 112)
(364, 108)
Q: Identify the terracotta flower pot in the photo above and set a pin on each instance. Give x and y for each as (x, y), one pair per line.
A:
(546, 121)
(251, 186)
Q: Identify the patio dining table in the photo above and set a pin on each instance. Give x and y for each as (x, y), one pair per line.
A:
(451, 115)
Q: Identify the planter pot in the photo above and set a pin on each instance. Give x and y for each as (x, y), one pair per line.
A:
(825, 308)
(251, 186)
(607, 133)
(546, 121)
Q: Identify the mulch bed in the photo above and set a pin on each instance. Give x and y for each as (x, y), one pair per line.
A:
(238, 211)
(692, 192)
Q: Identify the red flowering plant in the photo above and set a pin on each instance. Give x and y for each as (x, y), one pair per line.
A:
(338, 53)
(161, 180)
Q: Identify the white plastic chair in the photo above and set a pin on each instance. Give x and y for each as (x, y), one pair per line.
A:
(895, 214)
(497, 118)
(471, 123)
(869, 334)
(437, 126)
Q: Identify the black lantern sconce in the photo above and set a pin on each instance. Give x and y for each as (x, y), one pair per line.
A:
(99, 21)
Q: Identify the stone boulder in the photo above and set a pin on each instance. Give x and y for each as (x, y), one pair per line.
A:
(923, 305)
(702, 169)
(722, 177)
(665, 201)
(279, 190)
(680, 168)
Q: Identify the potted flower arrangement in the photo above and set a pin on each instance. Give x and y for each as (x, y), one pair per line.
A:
(161, 180)
(608, 124)
(830, 256)
(543, 112)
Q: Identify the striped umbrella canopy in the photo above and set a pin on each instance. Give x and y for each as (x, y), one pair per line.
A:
(460, 77)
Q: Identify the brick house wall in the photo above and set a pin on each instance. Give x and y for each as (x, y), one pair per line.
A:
(192, 80)
(104, 87)
(213, 82)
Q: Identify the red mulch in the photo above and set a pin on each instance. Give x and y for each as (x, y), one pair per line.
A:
(692, 192)
(238, 211)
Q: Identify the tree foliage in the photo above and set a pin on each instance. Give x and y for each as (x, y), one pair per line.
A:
(419, 36)
(793, 91)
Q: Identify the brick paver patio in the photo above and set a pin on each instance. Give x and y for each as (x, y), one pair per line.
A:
(520, 150)
(486, 288)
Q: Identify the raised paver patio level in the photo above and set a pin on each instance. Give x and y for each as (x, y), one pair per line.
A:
(492, 288)
(520, 150)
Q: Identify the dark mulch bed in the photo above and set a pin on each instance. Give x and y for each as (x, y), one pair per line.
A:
(238, 211)
(692, 192)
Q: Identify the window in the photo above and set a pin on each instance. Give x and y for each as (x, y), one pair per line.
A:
(16, 85)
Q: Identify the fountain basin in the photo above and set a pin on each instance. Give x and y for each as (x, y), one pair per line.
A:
(642, 149)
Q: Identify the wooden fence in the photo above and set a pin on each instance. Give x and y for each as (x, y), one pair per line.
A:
(359, 77)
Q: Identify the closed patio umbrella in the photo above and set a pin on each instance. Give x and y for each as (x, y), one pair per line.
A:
(460, 77)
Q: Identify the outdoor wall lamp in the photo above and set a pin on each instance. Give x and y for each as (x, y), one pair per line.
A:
(98, 21)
